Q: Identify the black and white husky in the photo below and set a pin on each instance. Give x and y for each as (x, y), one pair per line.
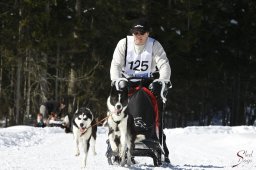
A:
(120, 124)
(84, 130)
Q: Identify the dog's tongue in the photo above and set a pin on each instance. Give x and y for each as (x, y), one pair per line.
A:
(118, 112)
(82, 130)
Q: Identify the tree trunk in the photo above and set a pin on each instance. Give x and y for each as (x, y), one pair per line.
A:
(1, 79)
(237, 116)
(28, 85)
(17, 94)
(11, 116)
(78, 8)
(43, 78)
(71, 90)
(1, 70)
(57, 72)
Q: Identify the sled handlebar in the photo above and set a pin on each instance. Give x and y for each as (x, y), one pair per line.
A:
(166, 84)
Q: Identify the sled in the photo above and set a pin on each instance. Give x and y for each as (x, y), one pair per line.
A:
(152, 118)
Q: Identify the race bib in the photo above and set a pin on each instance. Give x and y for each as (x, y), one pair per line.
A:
(138, 65)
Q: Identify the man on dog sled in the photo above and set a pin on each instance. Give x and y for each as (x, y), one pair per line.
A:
(141, 56)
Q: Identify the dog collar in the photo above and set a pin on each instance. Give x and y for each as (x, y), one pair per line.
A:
(117, 122)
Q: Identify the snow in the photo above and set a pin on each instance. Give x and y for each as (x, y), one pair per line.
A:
(191, 148)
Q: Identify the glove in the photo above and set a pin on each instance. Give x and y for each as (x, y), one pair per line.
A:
(155, 88)
(120, 85)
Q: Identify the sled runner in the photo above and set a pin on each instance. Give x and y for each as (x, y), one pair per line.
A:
(148, 120)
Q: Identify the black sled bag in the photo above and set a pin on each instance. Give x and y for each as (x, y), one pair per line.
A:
(143, 108)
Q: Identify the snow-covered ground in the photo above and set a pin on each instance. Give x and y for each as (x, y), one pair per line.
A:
(191, 148)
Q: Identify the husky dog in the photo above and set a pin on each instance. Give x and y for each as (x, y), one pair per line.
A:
(120, 125)
(84, 130)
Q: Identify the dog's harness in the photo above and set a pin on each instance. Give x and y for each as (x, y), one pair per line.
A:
(102, 120)
(117, 122)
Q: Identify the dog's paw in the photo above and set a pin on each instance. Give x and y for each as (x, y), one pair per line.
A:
(139, 138)
(77, 154)
(83, 167)
(129, 162)
(94, 151)
(122, 163)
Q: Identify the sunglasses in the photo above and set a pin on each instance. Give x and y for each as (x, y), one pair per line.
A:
(139, 33)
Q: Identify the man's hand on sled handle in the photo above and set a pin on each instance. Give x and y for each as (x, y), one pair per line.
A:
(166, 84)
(120, 83)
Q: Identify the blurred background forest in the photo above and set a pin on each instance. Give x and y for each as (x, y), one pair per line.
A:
(62, 49)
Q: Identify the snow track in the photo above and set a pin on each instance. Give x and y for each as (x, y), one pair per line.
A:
(191, 148)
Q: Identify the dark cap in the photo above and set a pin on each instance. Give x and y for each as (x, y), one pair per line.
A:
(140, 25)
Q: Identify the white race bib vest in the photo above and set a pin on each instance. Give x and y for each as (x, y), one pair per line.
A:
(138, 65)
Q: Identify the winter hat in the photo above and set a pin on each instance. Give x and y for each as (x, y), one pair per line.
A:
(141, 25)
